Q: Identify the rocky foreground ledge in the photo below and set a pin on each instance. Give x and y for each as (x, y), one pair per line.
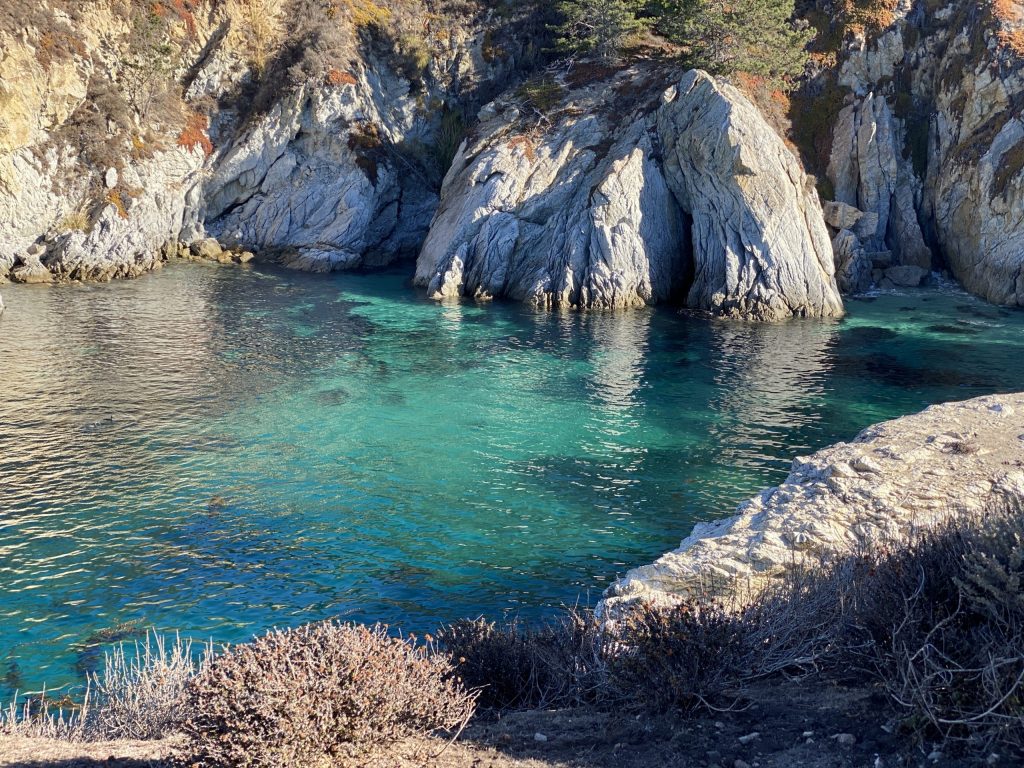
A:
(895, 478)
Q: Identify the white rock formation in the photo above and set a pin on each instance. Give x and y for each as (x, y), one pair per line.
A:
(626, 203)
(337, 173)
(760, 246)
(893, 479)
(931, 140)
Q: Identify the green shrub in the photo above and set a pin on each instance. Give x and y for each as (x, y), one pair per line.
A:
(318, 693)
(540, 93)
(597, 27)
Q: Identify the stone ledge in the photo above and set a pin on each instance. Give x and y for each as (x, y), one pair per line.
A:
(893, 479)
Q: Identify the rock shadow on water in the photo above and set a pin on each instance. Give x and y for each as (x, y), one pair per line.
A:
(332, 398)
(954, 330)
(868, 334)
(892, 371)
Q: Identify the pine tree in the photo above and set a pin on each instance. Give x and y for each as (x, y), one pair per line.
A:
(598, 27)
(723, 36)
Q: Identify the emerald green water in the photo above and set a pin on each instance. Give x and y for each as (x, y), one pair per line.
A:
(220, 451)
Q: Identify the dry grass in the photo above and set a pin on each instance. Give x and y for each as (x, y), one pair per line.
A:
(1010, 15)
(257, 27)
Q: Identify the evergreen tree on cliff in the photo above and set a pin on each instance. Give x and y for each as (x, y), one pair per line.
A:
(597, 27)
(724, 36)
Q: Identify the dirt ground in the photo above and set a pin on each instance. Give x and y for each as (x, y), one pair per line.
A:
(795, 725)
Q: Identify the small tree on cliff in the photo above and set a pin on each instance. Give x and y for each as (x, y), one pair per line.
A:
(598, 27)
(724, 36)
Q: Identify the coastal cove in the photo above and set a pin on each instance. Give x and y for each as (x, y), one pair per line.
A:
(221, 450)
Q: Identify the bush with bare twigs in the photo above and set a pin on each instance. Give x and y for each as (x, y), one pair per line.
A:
(141, 691)
(320, 692)
(514, 665)
(139, 694)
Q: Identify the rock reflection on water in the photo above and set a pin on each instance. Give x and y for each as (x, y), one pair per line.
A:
(770, 379)
(221, 451)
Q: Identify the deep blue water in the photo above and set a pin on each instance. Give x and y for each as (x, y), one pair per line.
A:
(220, 450)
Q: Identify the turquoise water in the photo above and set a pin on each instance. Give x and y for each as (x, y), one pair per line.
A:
(220, 450)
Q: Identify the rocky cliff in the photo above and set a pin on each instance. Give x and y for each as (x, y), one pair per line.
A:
(893, 479)
(318, 132)
(620, 193)
(313, 130)
(927, 151)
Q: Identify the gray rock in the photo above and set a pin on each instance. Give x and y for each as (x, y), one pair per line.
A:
(840, 216)
(842, 512)
(906, 276)
(110, 178)
(760, 246)
(207, 248)
(592, 212)
(958, 173)
(580, 216)
(853, 265)
(31, 270)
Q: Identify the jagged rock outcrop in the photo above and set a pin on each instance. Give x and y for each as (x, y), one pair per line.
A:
(894, 478)
(631, 202)
(116, 143)
(760, 246)
(317, 179)
(931, 140)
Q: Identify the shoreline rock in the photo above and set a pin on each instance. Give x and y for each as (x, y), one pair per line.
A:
(631, 200)
(893, 479)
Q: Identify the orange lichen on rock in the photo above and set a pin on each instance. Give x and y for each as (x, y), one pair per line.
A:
(337, 77)
(526, 144)
(1010, 14)
(194, 134)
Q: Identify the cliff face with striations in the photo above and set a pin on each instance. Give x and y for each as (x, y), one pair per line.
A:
(312, 130)
(614, 203)
(892, 479)
(318, 132)
(927, 152)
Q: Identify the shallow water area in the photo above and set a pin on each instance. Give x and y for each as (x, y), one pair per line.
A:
(222, 450)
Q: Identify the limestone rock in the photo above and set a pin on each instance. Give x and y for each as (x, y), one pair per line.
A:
(893, 479)
(207, 248)
(760, 246)
(841, 216)
(931, 140)
(31, 270)
(579, 216)
(340, 171)
(853, 265)
(593, 212)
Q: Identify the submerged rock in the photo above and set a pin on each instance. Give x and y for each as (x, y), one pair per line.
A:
(894, 478)
(620, 204)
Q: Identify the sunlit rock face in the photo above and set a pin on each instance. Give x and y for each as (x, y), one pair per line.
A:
(660, 193)
(338, 171)
(891, 480)
(930, 141)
